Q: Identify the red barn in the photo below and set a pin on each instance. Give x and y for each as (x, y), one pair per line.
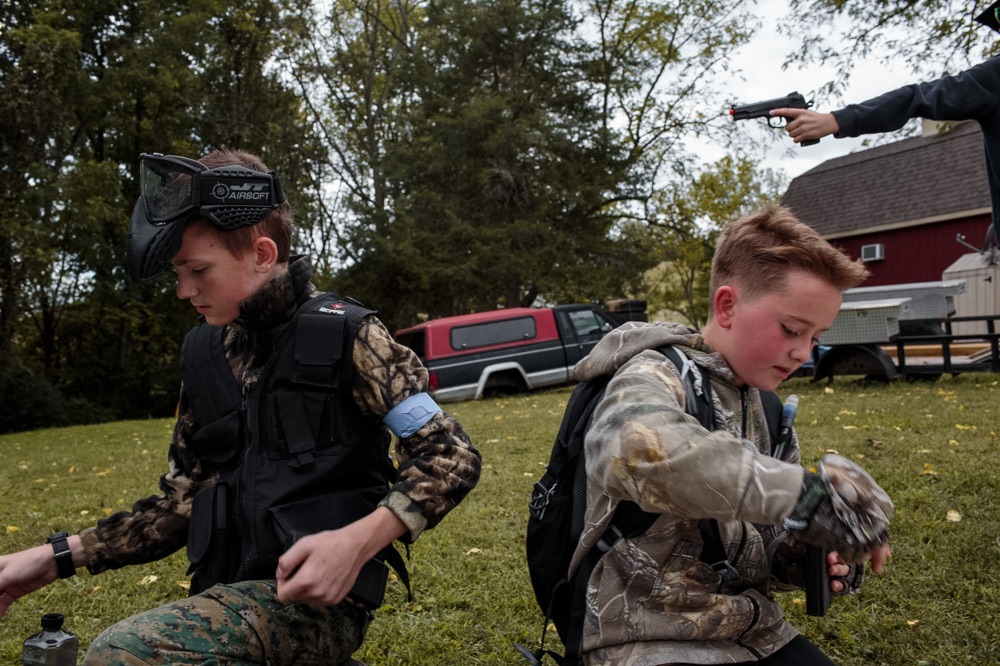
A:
(901, 206)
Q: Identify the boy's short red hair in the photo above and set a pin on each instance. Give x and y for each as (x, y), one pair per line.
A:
(277, 225)
(758, 250)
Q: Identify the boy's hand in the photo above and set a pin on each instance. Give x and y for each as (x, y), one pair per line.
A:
(840, 572)
(879, 557)
(841, 508)
(24, 572)
(321, 569)
(805, 124)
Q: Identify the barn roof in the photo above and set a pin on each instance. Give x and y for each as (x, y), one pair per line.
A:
(914, 181)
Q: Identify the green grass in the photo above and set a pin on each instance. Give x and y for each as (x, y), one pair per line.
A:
(934, 446)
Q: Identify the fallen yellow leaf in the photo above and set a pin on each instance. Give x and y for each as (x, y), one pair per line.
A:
(13, 528)
(147, 580)
(186, 584)
(473, 551)
(953, 516)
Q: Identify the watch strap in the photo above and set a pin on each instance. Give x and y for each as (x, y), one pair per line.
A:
(63, 554)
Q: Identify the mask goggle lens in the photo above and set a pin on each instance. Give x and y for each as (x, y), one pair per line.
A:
(167, 186)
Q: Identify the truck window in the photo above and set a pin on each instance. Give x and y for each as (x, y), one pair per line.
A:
(588, 322)
(493, 333)
(414, 341)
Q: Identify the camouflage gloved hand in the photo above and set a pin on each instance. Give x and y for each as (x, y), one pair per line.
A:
(841, 508)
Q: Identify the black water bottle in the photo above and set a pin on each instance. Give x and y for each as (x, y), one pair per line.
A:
(52, 646)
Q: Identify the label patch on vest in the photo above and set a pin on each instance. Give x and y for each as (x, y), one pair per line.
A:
(333, 308)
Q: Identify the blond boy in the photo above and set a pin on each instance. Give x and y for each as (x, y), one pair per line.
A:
(776, 286)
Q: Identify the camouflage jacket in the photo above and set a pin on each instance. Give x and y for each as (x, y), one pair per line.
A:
(438, 465)
(650, 600)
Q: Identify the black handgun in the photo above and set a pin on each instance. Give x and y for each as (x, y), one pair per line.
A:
(817, 569)
(763, 110)
(817, 581)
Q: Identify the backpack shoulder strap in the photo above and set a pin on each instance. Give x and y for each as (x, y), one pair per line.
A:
(772, 414)
(697, 387)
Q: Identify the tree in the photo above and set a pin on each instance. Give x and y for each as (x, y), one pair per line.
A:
(933, 37)
(689, 218)
(87, 86)
(494, 152)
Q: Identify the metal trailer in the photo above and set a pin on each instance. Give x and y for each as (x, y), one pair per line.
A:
(869, 336)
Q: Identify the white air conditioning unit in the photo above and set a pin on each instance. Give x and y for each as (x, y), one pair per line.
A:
(873, 252)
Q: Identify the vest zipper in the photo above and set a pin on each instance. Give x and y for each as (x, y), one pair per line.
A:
(244, 514)
(245, 518)
(744, 402)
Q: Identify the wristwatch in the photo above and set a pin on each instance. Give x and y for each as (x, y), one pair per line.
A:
(64, 556)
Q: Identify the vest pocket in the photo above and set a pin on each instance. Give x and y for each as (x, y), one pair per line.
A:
(210, 549)
(302, 427)
(290, 522)
(220, 440)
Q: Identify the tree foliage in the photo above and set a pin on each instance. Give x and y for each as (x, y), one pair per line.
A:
(493, 153)
(442, 156)
(85, 87)
(933, 37)
(690, 215)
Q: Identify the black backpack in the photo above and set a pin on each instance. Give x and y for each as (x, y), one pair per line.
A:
(559, 501)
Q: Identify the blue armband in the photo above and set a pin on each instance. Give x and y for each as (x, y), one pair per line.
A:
(410, 415)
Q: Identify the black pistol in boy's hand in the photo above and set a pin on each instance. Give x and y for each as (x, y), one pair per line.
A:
(817, 581)
(792, 100)
(817, 570)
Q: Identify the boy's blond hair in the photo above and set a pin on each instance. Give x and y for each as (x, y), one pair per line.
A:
(277, 225)
(756, 252)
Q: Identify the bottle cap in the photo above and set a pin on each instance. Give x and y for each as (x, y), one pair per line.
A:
(52, 621)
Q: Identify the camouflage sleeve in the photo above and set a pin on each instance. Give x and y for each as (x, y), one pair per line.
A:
(438, 465)
(156, 526)
(643, 447)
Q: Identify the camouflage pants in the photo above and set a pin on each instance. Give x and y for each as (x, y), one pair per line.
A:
(241, 623)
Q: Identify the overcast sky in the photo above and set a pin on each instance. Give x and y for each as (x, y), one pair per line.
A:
(764, 79)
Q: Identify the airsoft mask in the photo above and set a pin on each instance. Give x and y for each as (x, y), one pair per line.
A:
(177, 189)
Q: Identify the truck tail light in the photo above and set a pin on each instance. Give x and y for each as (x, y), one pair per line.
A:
(432, 381)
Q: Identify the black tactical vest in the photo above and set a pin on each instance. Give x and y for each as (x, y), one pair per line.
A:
(295, 454)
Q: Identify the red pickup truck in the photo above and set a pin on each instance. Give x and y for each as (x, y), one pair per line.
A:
(505, 350)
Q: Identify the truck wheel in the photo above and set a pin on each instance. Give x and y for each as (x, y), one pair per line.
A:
(504, 383)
